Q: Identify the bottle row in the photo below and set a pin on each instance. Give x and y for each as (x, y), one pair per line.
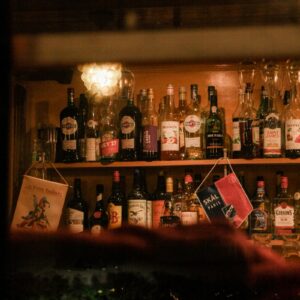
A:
(174, 202)
(108, 132)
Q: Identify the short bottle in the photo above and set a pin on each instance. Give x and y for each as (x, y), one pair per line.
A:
(99, 219)
(69, 130)
(116, 203)
(77, 210)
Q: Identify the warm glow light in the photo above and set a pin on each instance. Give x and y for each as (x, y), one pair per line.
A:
(101, 80)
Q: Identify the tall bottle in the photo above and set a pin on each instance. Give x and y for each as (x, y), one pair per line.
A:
(214, 131)
(82, 121)
(130, 132)
(150, 130)
(109, 135)
(297, 211)
(147, 197)
(92, 133)
(137, 202)
(77, 210)
(158, 200)
(236, 118)
(115, 203)
(194, 127)
(99, 219)
(69, 130)
(181, 111)
(178, 198)
(169, 129)
(284, 210)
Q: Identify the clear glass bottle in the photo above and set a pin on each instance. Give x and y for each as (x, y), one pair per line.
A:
(150, 130)
(181, 111)
(194, 127)
(169, 129)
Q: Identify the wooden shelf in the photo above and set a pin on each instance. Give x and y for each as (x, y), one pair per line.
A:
(177, 163)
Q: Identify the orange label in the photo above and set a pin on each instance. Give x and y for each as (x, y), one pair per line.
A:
(158, 207)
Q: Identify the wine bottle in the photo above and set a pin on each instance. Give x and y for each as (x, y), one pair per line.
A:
(82, 121)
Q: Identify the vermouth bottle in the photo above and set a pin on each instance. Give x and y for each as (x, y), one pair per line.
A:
(69, 130)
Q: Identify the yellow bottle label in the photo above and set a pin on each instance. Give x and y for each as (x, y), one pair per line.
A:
(115, 216)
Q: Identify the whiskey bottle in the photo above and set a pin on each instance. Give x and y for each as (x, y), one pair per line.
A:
(99, 219)
(69, 130)
(169, 129)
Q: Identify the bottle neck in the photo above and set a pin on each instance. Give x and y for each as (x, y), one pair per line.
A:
(161, 184)
(70, 97)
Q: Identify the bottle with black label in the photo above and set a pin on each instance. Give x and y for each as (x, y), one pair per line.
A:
(69, 130)
(99, 219)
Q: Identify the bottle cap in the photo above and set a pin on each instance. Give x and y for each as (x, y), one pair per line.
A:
(284, 182)
(260, 184)
(116, 176)
(188, 179)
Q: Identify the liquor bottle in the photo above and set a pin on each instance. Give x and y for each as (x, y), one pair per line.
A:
(142, 100)
(194, 124)
(77, 210)
(214, 132)
(69, 130)
(181, 111)
(292, 127)
(99, 219)
(147, 197)
(82, 121)
(109, 135)
(130, 132)
(278, 181)
(236, 117)
(169, 129)
(284, 210)
(149, 129)
(137, 202)
(178, 198)
(189, 213)
(92, 133)
(297, 211)
(261, 115)
(158, 200)
(201, 212)
(272, 131)
(115, 203)
(260, 217)
(249, 126)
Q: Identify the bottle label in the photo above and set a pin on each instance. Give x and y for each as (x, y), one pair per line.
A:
(127, 143)
(69, 145)
(109, 147)
(192, 142)
(236, 138)
(255, 132)
(90, 149)
(96, 229)
(181, 135)
(127, 125)
(137, 212)
(192, 123)
(69, 126)
(149, 138)
(259, 220)
(75, 220)
(149, 214)
(177, 209)
(284, 217)
(170, 136)
(115, 215)
(158, 207)
(292, 134)
(189, 217)
(272, 141)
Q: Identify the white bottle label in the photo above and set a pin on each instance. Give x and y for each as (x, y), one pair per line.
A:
(284, 216)
(181, 135)
(90, 149)
(292, 134)
(127, 143)
(68, 126)
(74, 220)
(272, 141)
(192, 142)
(189, 217)
(192, 123)
(137, 212)
(170, 136)
(115, 215)
(149, 214)
(127, 125)
(236, 138)
(69, 145)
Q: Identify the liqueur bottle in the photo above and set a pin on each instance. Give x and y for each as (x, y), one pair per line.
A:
(77, 210)
(130, 132)
(82, 121)
(69, 130)
(99, 219)
(260, 217)
(149, 130)
(158, 200)
(137, 202)
(92, 134)
(181, 111)
(169, 129)
(214, 132)
(236, 118)
(284, 210)
(194, 125)
(109, 135)
(115, 203)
